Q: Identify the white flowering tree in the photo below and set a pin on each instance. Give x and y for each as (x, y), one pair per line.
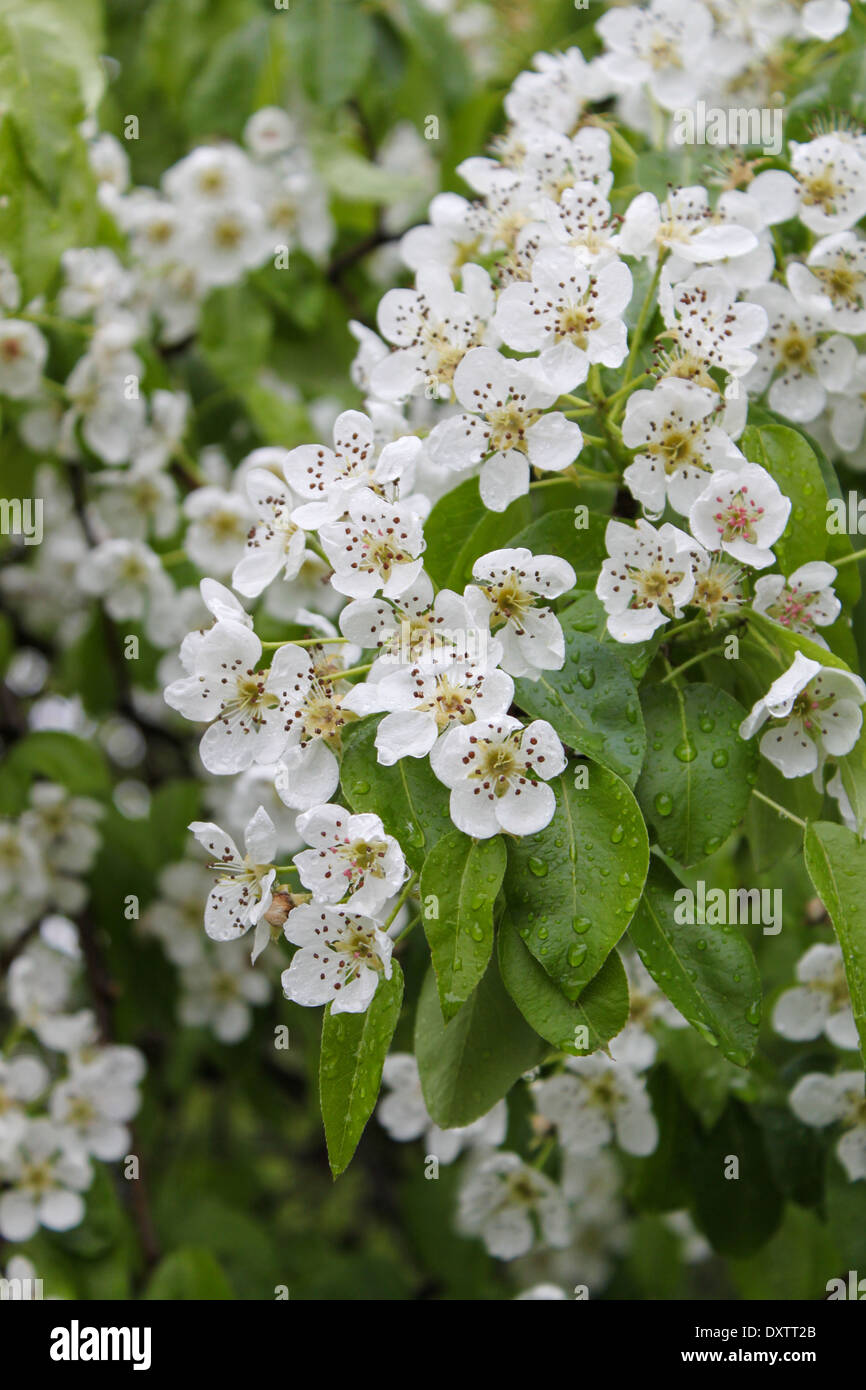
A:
(430, 664)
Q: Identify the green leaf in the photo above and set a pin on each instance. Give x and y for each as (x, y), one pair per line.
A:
(853, 770)
(439, 49)
(492, 531)
(556, 534)
(188, 1275)
(601, 1008)
(469, 1064)
(592, 702)
(796, 1264)
(836, 863)
(353, 178)
(223, 92)
(790, 460)
(736, 1213)
(706, 1078)
(786, 643)
(343, 46)
(698, 774)
(463, 877)
(35, 227)
(60, 757)
(708, 973)
(660, 1182)
(50, 77)
(573, 887)
(354, 1047)
(411, 801)
(846, 1217)
(449, 525)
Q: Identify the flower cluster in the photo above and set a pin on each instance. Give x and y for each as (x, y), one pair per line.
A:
(66, 1094)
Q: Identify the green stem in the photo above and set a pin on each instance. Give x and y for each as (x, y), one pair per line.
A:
(410, 884)
(692, 661)
(354, 671)
(620, 142)
(851, 559)
(629, 387)
(313, 544)
(686, 627)
(410, 926)
(301, 642)
(188, 465)
(14, 1036)
(52, 321)
(544, 1152)
(781, 809)
(640, 326)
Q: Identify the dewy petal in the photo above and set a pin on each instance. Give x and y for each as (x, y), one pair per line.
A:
(260, 838)
(405, 734)
(474, 811)
(636, 1129)
(841, 1029)
(219, 845)
(504, 478)
(554, 442)
(306, 776)
(790, 749)
(528, 812)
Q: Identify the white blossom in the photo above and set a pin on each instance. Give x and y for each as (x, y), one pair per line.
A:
(816, 713)
(349, 855)
(342, 956)
(648, 578)
(497, 773)
(509, 427)
(742, 512)
(821, 1003)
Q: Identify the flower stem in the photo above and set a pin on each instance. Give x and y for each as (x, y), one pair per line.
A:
(187, 464)
(640, 326)
(692, 661)
(354, 671)
(686, 627)
(410, 884)
(851, 559)
(174, 557)
(781, 809)
(301, 642)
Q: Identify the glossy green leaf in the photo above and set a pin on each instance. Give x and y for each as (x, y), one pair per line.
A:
(601, 1008)
(459, 883)
(592, 702)
(698, 773)
(354, 1048)
(572, 888)
(737, 1203)
(469, 1064)
(707, 972)
(790, 460)
(836, 862)
(188, 1275)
